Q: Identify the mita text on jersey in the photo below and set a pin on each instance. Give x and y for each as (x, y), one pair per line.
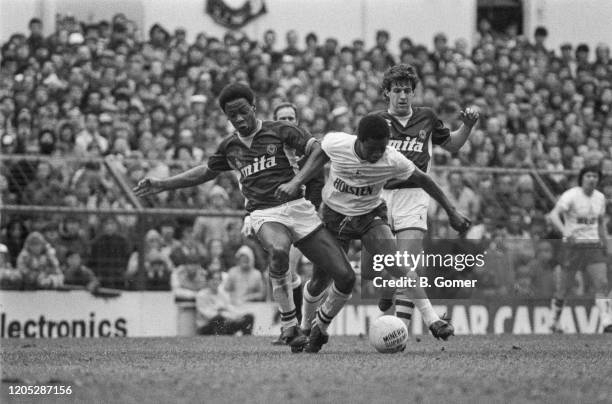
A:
(259, 163)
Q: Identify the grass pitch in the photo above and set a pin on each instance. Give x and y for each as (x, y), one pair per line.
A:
(554, 369)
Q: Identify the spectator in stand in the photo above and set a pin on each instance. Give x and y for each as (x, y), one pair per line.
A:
(10, 277)
(169, 242)
(187, 280)
(244, 283)
(155, 270)
(216, 259)
(38, 265)
(189, 249)
(216, 314)
(214, 227)
(109, 255)
(14, 239)
(77, 274)
(158, 271)
(72, 237)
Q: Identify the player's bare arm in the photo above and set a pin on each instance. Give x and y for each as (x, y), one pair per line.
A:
(192, 177)
(457, 220)
(555, 219)
(457, 139)
(601, 230)
(315, 163)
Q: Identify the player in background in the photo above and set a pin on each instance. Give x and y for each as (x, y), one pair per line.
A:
(352, 205)
(414, 132)
(287, 112)
(264, 154)
(579, 217)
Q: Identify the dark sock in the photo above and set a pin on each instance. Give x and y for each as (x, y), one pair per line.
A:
(297, 299)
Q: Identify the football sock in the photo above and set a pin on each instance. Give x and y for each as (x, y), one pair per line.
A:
(331, 306)
(556, 306)
(297, 300)
(309, 306)
(283, 296)
(427, 311)
(404, 308)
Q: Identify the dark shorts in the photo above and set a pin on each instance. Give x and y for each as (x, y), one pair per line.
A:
(578, 256)
(346, 228)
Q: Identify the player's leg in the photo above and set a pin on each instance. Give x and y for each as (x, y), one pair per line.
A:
(411, 240)
(315, 291)
(561, 275)
(296, 284)
(276, 239)
(295, 256)
(328, 257)
(598, 275)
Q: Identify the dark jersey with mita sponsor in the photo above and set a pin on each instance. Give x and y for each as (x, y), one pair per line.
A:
(264, 160)
(415, 140)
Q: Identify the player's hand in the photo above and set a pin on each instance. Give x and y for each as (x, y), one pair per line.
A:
(148, 186)
(469, 117)
(286, 191)
(569, 239)
(247, 227)
(459, 222)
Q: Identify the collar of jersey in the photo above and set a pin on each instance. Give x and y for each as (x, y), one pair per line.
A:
(248, 140)
(398, 120)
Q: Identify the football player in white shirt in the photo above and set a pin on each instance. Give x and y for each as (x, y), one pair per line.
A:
(579, 216)
(352, 205)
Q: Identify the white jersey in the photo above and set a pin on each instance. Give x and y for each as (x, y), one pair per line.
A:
(354, 186)
(581, 213)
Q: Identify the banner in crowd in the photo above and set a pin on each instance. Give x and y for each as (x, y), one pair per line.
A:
(52, 314)
(49, 314)
(229, 17)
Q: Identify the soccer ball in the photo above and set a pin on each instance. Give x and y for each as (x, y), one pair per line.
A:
(388, 334)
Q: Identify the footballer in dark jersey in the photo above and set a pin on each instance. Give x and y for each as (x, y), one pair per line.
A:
(264, 154)
(414, 132)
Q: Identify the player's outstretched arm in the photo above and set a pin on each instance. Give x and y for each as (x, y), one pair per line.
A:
(457, 220)
(192, 177)
(555, 219)
(457, 139)
(315, 163)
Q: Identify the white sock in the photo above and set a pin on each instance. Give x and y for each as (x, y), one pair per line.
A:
(283, 296)
(309, 306)
(331, 306)
(296, 280)
(427, 311)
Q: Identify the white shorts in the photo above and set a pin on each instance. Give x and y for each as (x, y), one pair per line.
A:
(298, 216)
(406, 208)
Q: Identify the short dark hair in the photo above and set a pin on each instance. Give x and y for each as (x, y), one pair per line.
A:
(400, 73)
(588, 169)
(372, 126)
(541, 31)
(235, 91)
(284, 105)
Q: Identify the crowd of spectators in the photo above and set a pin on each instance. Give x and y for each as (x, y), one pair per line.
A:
(147, 105)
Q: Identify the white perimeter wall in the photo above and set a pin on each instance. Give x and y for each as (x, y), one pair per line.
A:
(345, 20)
(572, 21)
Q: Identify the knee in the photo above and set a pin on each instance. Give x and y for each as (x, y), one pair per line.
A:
(346, 283)
(279, 260)
(318, 284)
